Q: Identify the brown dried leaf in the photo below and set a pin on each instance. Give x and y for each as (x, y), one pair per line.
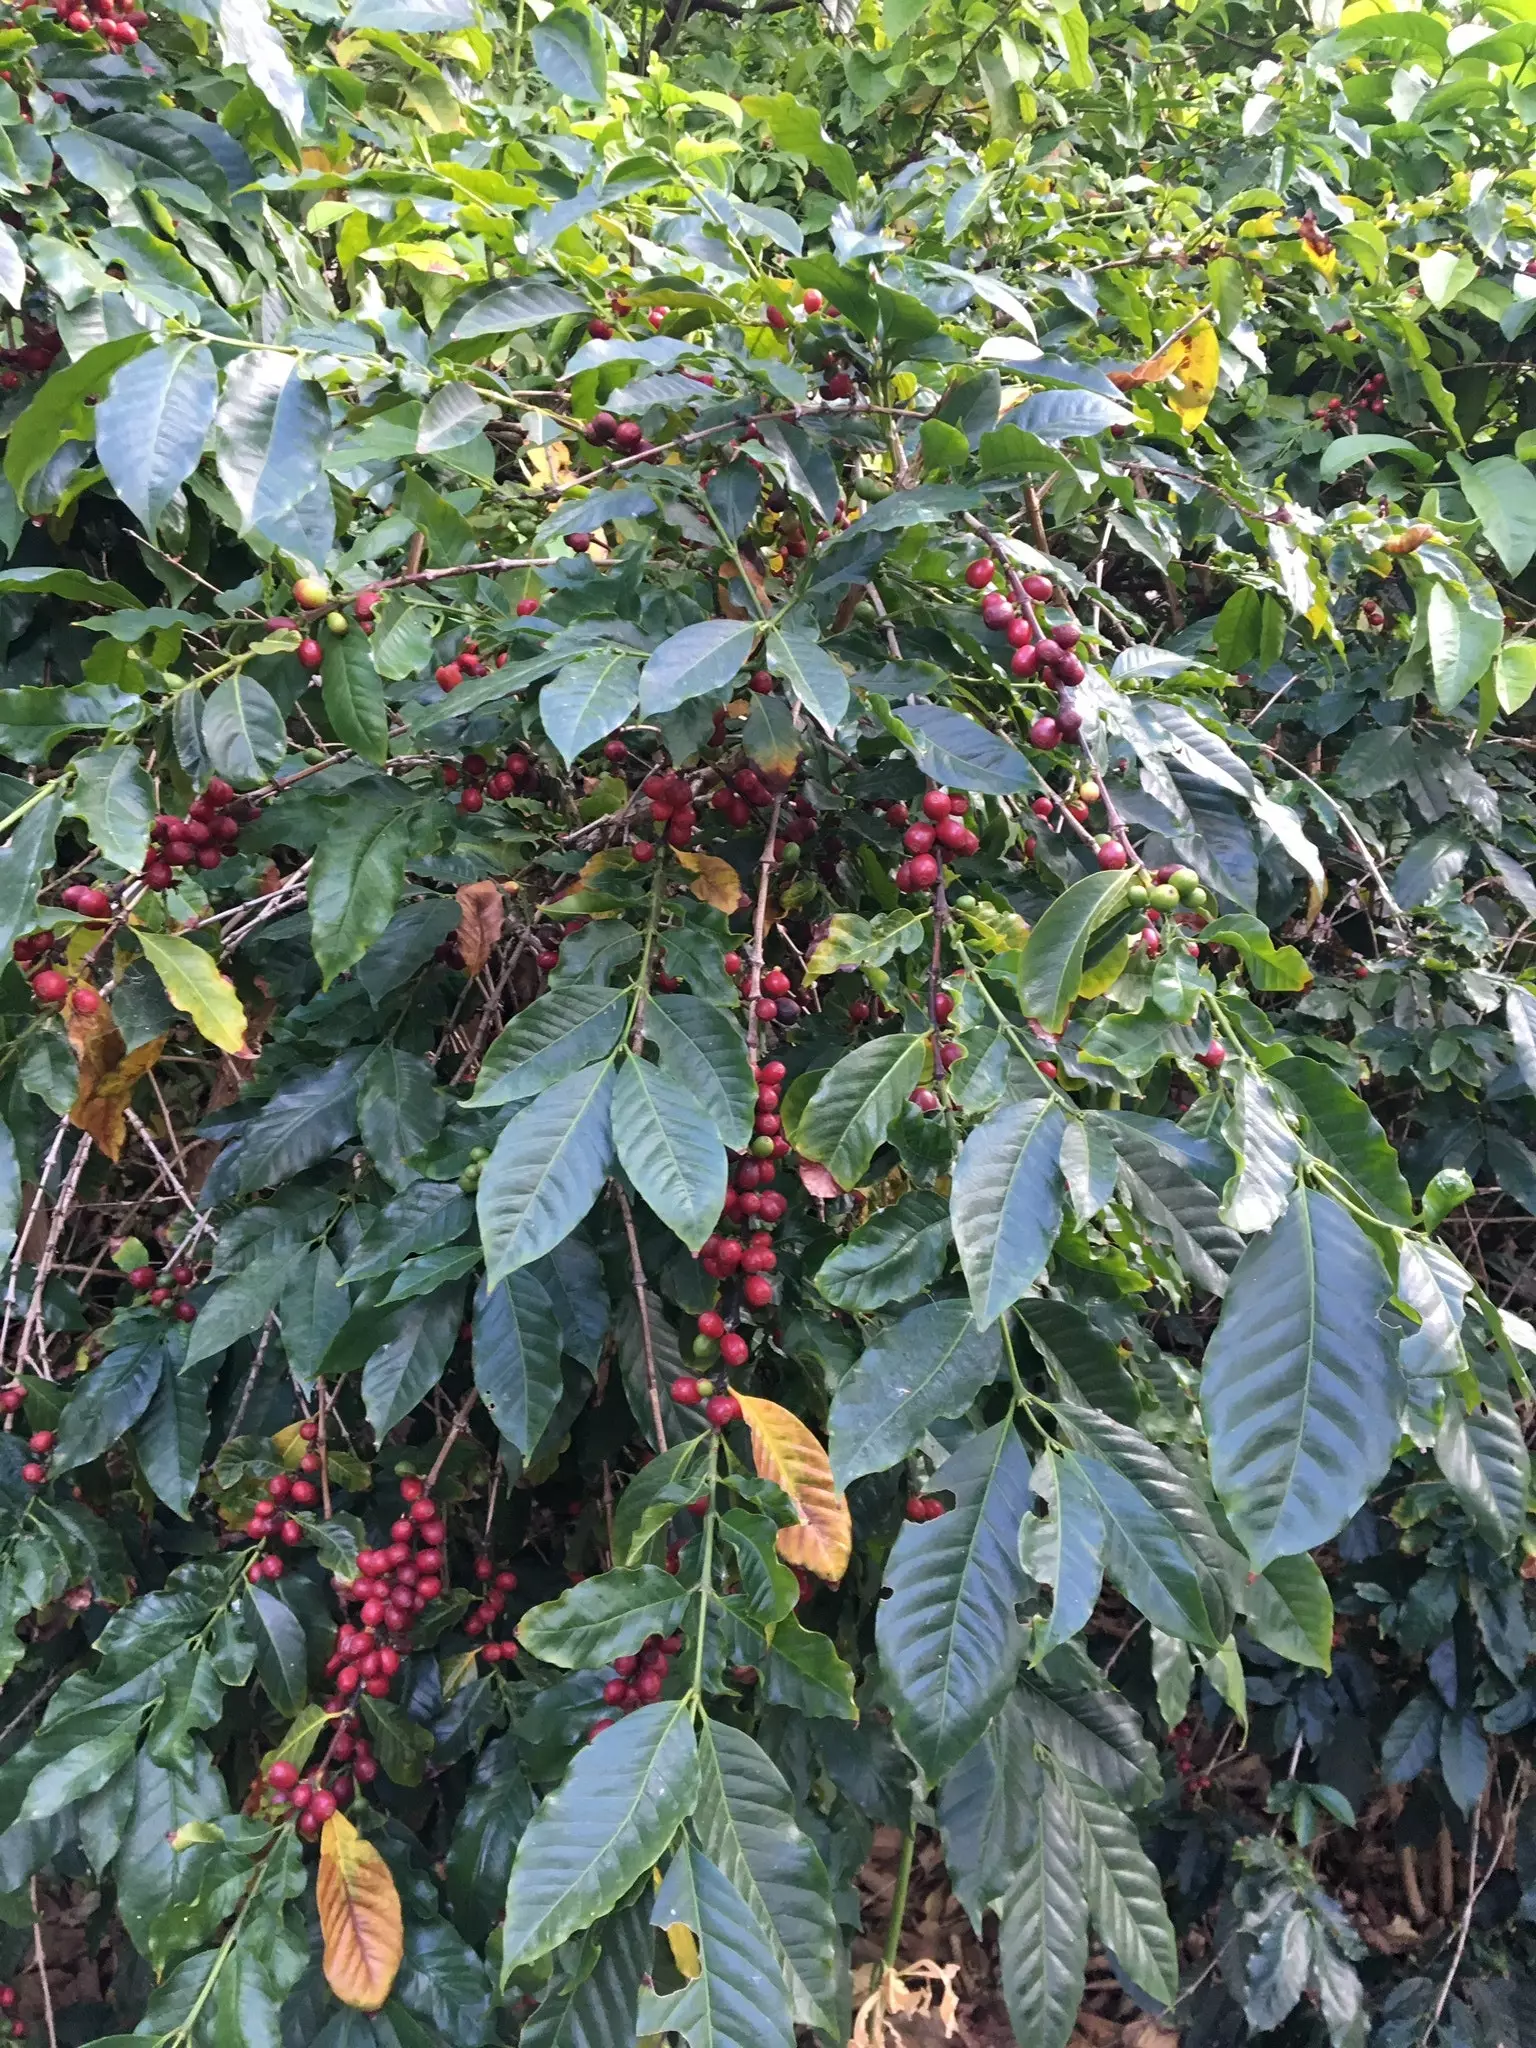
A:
(108, 1075)
(1410, 540)
(482, 914)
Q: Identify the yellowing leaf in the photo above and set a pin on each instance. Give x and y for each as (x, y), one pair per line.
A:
(108, 1075)
(481, 916)
(1325, 260)
(1196, 366)
(359, 1916)
(684, 1945)
(715, 881)
(194, 984)
(785, 1451)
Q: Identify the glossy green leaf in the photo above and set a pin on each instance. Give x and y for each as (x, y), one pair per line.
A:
(1042, 1929)
(900, 1252)
(611, 1615)
(852, 1108)
(1051, 965)
(929, 1365)
(588, 699)
(738, 1998)
(355, 883)
(153, 424)
(1125, 1894)
(546, 1171)
(517, 1357)
(1006, 1202)
(605, 1825)
(703, 1050)
(947, 1633)
(408, 1363)
(354, 696)
(699, 658)
(243, 731)
(1300, 1390)
(670, 1147)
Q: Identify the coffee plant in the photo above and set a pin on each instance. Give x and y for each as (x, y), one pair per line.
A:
(768, 889)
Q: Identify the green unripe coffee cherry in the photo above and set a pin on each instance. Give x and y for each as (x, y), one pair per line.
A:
(874, 490)
(790, 857)
(1197, 899)
(336, 622)
(1184, 879)
(1138, 895)
(469, 1180)
(705, 1347)
(706, 1388)
(965, 903)
(762, 1148)
(1163, 896)
(477, 1153)
(314, 754)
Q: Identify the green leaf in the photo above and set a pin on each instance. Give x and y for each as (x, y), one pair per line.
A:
(699, 658)
(401, 1744)
(355, 883)
(1463, 640)
(489, 1827)
(745, 1822)
(1269, 967)
(548, 1167)
(1161, 1547)
(817, 678)
(153, 423)
(900, 1252)
(24, 860)
(1162, 1189)
(113, 795)
(307, 1118)
(1514, 673)
(1051, 964)
(408, 1364)
(517, 1358)
(83, 1768)
(1085, 1723)
(986, 1812)
(1445, 274)
(281, 1656)
(506, 309)
(1300, 1389)
(242, 731)
(1042, 1929)
(595, 2004)
(931, 1364)
(805, 1674)
(106, 1402)
(589, 698)
(702, 1048)
(239, 1307)
(948, 1636)
(1482, 1454)
(848, 1116)
(1345, 1132)
(400, 1110)
(1502, 494)
(669, 1146)
(795, 126)
(58, 413)
(654, 1495)
(1349, 449)
(1005, 1204)
(737, 2000)
(612, 1614)
(954, 749)
(569, 49)
(1266, 1150)
(1289, 1609)
(354, 696)
(620, 1803)
(560, 1031)
(1065, 1552)
(190, 977)
(1125, 1894)
(270, 438)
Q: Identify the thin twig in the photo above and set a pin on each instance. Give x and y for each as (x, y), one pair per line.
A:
(456, 1429)
(168, 1172)
(1465, 1928)
(60, 1217)
(24, 1233)
(40, 1954)
(253, 1375)
(637, 1274)
(759, 927)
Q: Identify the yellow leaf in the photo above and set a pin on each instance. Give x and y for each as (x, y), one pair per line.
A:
(1193, 373)
(785, 1451)
(714, 882)
(549, 465)
(194, 984)
(359, 1916)
(685, 1949)
(1325, 260)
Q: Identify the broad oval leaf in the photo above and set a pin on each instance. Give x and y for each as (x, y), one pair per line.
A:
(354, 697)
(931, 1364)
(1006, 1201)
(561, 1031)
(852, 1109)
(1042, 1929)
(605, 1825)
(954, 749)
(243, 730)
(517, 1357)
(271, 434)
(702, 1048)
(699, 658)
(1051, 965)
(546, 1171)
(191, 978)
(948, 1635)
(588, 698)
(1300, 1389)
(900, 1252)
(610, 1615)
(671, 1150)
(153, 423)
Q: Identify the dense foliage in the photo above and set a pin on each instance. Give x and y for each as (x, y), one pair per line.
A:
(767, 1044)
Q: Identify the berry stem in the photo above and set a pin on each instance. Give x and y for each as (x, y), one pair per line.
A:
(759, 927)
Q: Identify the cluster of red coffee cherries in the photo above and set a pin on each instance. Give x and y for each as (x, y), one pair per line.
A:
(1374, 616)
(946, 1051)
(48, 984)
(162, 1290)
(636, 1681)
(469, 661)
(1371, 397)
(605, 430)
(119, 23)
(498, 1582)
(208, 833)
(943, 825)
(475, 778)
(35, 1470)
(395, 1584)
(272, 1518)
(349, 1762)
(14, 2028)
(1048, 652)
(923, 1508)
(39, 344)
(672, 809)
(747, 791)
